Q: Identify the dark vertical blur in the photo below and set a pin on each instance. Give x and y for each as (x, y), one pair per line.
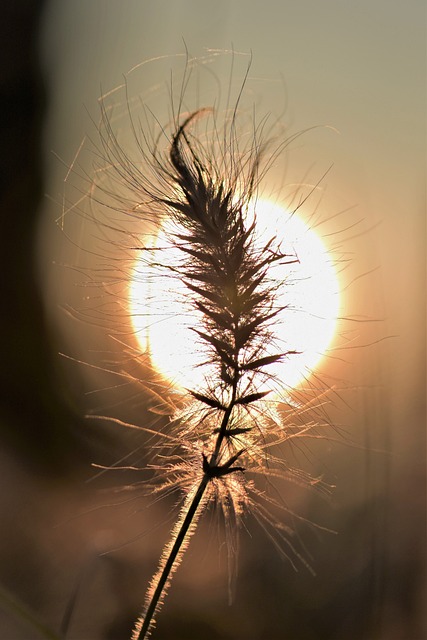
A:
(34, 420)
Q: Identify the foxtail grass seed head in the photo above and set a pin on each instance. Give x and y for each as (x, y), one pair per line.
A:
(195, 181)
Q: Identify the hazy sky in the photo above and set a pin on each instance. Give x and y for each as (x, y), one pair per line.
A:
(356, 69)
(356, 66)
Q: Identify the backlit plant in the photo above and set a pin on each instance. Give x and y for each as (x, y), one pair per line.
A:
(197, 180)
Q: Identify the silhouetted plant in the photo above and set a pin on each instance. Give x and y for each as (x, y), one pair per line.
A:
(197, 180)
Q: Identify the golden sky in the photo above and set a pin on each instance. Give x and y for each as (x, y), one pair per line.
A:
(355, 70)
(357, 67)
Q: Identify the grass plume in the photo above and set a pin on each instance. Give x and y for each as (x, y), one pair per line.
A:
(197, 180)
(227, 280)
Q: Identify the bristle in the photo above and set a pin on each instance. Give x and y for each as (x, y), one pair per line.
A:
(199, 190)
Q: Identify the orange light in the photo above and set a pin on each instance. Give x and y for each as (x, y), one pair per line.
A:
(162, 320)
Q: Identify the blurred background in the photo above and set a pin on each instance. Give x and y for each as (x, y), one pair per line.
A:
(76, 551)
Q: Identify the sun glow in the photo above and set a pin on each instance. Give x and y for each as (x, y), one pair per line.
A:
(162, 319)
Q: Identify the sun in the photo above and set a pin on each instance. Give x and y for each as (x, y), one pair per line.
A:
(309, 288)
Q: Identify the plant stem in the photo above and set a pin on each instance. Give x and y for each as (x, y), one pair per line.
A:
(186, 524)
(224, 423)
(180, 538)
